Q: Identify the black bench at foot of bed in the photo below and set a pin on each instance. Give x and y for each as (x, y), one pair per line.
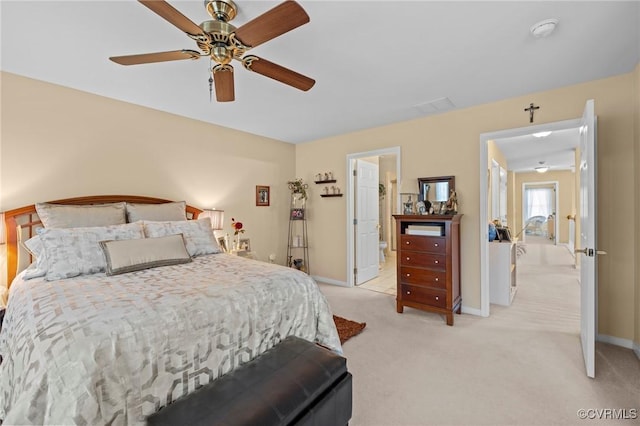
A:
(294, 383)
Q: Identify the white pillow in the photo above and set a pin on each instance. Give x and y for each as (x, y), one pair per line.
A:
(134, 255)
(71, 216)
(198, 235)
(36, 249)
(157, 212)
(76, 251)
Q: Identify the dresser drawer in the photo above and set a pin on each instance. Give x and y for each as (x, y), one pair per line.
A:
(423, 243)
(431, 297)
(423, 277)
(423, 260)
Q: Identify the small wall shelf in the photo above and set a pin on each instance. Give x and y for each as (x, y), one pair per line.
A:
(331, 195)
(326, 181)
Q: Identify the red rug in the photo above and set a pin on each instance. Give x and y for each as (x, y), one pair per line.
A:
(347, 328)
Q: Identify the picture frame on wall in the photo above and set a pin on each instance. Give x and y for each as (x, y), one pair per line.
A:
(263, 196)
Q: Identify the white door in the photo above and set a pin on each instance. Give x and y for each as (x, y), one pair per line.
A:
(367, 246)
(588, 270)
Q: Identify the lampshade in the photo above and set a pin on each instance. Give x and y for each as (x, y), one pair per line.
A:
(216, 216)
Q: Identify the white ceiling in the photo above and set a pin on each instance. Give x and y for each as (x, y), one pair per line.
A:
(374, 61)
(556, 151)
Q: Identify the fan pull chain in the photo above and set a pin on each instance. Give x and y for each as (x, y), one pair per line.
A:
(210, 82)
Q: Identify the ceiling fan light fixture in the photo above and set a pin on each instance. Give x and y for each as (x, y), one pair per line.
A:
(544, 28)
(542, 134)
(541, 168)
(221, 54)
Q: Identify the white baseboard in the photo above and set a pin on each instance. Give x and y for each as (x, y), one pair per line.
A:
(618, 341)
(636, 349)
(330, 281)
(471, 311)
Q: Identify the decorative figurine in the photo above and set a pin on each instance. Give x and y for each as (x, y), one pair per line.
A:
(451, 207)
(326, 190)
(326, 176)
(408, 206)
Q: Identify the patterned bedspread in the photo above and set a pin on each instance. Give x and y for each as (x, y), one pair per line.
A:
(112, 350)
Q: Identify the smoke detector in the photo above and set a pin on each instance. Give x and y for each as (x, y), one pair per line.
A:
(544, 28)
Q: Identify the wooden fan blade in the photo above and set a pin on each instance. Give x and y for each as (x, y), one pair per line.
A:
(277, 72)
(271, 24)
(146, 58)
(223, 78)
(171, 14)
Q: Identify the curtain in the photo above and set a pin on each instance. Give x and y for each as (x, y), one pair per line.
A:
(538, 202)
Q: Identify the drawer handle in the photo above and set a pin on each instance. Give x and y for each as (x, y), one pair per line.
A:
(437, 279)
(436, 244)
(408, 243)
(436, 261)
(408, 275)
(408, 258)
(408, 292)
(437, 298)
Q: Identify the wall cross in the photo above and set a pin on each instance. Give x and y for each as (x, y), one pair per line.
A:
(531, 110)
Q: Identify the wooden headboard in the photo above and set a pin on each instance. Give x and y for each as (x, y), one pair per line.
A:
(27, 219)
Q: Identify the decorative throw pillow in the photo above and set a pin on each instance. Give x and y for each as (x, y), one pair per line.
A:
(198, 235)
(134, 255)
(71, 216)
(36, 249)
(157, 212)
(76, 251)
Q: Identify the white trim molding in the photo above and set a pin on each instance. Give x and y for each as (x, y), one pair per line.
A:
(472, 311)
(617, 341)
(330, 281)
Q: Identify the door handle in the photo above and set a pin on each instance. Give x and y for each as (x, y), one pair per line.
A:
(590, 252)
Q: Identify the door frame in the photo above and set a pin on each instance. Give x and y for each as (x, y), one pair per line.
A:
(351, 200)
(485, 308)
(556, 188)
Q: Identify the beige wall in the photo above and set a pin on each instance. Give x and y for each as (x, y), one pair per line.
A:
(448, 144)
(78, 144)
(59, 143)
(566, 197)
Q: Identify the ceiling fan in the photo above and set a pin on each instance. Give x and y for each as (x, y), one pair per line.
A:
(223, 42)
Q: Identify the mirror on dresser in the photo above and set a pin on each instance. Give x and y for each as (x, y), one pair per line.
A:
(436, 191)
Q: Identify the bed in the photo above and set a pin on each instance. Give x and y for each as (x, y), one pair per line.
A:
(96, 348)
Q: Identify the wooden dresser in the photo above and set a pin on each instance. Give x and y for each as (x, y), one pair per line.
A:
(428, 262)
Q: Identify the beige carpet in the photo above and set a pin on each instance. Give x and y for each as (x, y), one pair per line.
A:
(521, 366)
